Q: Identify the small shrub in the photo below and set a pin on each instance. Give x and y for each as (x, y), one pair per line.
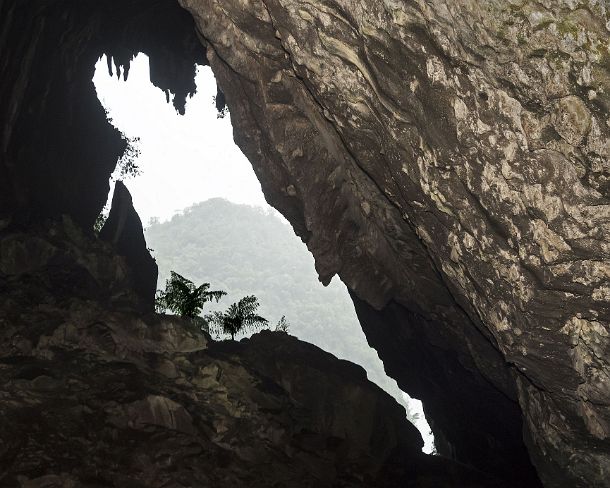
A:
(99, 223)
(282, 325)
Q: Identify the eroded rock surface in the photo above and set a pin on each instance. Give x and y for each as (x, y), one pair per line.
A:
(451, 158)
(123, 230)
(95, 394)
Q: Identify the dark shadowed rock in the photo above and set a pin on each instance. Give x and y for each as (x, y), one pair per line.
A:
(416, 352)
(57, 149)
(103, 398)
(56, 261)
(123, 229)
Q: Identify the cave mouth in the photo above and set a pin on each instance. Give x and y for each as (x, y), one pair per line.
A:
(195, 148)
(183, 159)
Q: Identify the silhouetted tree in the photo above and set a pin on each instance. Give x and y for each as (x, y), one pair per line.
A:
(182, 297)
(126, 165)
(239, 316)
(126, 168)
(282, 325)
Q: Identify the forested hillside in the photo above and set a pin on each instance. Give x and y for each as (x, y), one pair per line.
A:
(244, 250)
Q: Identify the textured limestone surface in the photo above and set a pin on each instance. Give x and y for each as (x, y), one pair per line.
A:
(451, 159)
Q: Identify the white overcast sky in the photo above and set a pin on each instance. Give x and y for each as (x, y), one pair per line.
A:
(184, 159)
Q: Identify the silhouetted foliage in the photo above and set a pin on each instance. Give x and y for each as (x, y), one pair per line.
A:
(126, 165)
(240, 316)
(99, 222)
(282, 325)
(126, 168)
(221, 104)
(183, 298)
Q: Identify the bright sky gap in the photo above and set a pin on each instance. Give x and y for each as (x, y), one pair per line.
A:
(196, 148)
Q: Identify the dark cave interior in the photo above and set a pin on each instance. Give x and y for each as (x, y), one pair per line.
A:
(58, 151)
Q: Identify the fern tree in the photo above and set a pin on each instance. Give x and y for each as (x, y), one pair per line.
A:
(239, 317)
(183, 298)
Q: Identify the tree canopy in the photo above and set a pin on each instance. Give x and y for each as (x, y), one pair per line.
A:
(183, 298)
(240, 316)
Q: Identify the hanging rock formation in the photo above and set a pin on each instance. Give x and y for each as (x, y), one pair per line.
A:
(57, 149)
(448, 160)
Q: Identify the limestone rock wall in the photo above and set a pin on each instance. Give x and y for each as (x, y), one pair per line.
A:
(451, 157)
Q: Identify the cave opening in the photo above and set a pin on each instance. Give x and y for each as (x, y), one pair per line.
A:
(190, 175)
(414, 161)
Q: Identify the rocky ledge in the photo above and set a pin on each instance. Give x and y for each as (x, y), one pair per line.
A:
(103, 398)
(97, 392)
